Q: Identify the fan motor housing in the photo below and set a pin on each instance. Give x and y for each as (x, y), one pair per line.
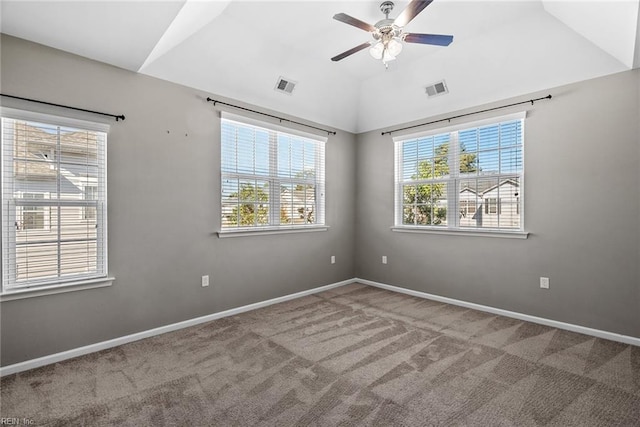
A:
(384, 27)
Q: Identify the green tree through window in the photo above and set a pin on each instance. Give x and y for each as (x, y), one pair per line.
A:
(448, 178)
(253, 206)
(270, 179)
(422, 201)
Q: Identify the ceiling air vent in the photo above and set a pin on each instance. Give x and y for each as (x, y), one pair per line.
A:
(437, 89)
(285, 85)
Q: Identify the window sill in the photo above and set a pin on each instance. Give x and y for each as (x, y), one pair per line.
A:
(269, 231)
(38, 291)
(462, 232)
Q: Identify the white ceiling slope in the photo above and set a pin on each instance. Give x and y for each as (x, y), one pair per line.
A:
(192, 17)
(118, 33)
(610, 25)
(239, 48)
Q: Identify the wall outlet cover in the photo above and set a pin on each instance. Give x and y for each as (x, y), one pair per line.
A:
(544, 282)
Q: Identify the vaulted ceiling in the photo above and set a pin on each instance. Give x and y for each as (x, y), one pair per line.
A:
(239, 49)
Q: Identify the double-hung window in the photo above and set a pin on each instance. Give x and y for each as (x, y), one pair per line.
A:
(272, 178)
(463, 178)
(54, 201)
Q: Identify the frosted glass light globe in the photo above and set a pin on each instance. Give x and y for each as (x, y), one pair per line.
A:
(394, 47)
(387, 57)
(376, 51)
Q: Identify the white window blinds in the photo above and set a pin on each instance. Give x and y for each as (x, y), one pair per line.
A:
(54, 204)
(271, 178)
(468, 177)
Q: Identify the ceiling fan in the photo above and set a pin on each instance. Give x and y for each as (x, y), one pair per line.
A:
(388, 33)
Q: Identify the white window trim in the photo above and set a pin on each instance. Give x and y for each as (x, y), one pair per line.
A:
(399, 136)
(266, 231)
(37, 290)
(455, 230)
(505, 234)
(320, 136)
(80, 285)
(320, 224)
(12, 113)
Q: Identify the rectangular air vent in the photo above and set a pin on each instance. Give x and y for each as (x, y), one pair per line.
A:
(285, 85)
(436, 89)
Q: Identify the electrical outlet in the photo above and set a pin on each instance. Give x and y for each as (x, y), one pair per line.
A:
(333, 259)
(205, 281)
(384, 259)
(544, 282)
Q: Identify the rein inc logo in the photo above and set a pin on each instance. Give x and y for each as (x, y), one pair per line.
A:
(15, 421)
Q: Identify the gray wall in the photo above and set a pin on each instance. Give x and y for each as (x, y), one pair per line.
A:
(582, 207)
(163, 168)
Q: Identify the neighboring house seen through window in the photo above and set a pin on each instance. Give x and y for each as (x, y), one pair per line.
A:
(461, 178)
(53, 202)
(90, 194)
(271, 178)
(33, 217)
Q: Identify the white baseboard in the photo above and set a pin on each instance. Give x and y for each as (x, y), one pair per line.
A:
(92, 348)
(540, 320)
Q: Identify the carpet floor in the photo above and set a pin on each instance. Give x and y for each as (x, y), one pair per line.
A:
(352, 356)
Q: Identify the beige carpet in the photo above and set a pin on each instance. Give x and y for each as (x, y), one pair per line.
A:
(352, 356)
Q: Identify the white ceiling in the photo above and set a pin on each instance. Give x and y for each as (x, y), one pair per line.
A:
(238, 49)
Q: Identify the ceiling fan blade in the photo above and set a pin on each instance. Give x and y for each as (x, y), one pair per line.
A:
(343, 17)
(412, 10)
(436, 39)
(351, 51)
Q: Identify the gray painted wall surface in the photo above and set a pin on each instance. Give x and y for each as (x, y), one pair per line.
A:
(582, 208)
(163, 211)
(582, 204)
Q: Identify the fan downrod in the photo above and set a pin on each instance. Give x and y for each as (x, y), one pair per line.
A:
(386, 7)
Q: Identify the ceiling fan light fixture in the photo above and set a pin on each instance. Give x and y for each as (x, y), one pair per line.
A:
(376, 50)
(394, 47)
(388, 34)
(387, 57)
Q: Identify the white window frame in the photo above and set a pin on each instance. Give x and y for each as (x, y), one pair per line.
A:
(274, 226)
(10, 289)
(453, 197)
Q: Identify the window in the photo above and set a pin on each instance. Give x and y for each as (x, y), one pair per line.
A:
(467, 208)
(491, 206)
(54, 201)
(271, 178)
(33, 217)
(462, 178)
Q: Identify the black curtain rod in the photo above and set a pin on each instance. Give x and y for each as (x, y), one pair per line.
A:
(330, 132)
(117, 117)
(467, 114)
